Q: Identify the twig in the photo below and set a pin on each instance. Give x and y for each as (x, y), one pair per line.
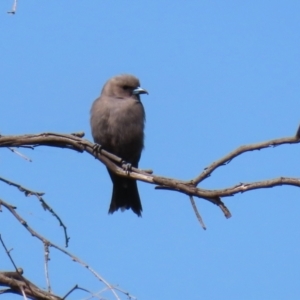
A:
(269, 183)
(68, 293)
(45, 205)
(20, 154)
(46, 241)
(14, 8)
(76, 287)
(46, 251)
(125, 293)
(242, 149)
(197, 213)
(19, 271)
(18, 274)
(214, 199)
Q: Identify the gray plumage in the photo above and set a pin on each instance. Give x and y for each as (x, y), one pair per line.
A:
(117, 122)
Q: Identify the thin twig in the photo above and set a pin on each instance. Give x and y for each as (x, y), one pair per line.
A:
(19, 271)
(14, 8)
(46, 241)
(197, 213)
(242, 149)
(263, 184)
(212, 198)
(45, 205)
(46, 255)
(93, 295)
(68, 293)
(20, 154)
(125, 293)
(8, 254)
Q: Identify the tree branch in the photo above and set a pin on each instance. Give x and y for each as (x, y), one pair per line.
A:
(77, 143)
(45, 205)
(15, 281)
(12, 210)
(242, 149)
(18, 285)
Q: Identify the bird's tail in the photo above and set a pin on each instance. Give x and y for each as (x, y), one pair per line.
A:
(125, 195)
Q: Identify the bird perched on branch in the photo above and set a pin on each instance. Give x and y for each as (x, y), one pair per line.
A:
(117, 122)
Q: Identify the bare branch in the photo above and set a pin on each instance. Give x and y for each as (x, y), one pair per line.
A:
(12, 210)
(197, 213)
(18, 271)
(115, 164)
(23, 286)
(20, 285)
(17, 282)
(244, 187)
(45, 205)
(240, 150)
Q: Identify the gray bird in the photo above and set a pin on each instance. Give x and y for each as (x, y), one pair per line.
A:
(117, 122)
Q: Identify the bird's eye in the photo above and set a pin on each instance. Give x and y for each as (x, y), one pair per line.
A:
(126, 87)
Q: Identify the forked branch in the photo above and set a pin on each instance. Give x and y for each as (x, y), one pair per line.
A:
(16, 283)
(77, 143)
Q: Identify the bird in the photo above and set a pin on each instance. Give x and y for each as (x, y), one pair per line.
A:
(117, 122)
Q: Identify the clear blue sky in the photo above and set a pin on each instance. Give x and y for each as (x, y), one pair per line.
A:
(220, 74)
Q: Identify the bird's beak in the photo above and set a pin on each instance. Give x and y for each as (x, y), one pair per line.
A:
(139, 91)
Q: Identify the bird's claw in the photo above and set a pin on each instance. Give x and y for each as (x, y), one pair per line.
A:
(126, 167)
(97, 148)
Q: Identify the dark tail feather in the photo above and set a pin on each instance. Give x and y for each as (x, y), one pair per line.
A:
(125, 195)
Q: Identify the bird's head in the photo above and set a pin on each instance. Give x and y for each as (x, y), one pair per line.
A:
(123, 86)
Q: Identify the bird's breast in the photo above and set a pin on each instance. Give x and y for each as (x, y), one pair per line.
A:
(119, 128)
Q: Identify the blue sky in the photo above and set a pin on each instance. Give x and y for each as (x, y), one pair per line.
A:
(220, 74)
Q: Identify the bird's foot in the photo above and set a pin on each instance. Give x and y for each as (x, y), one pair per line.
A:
(126, 167)
(97, 148)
